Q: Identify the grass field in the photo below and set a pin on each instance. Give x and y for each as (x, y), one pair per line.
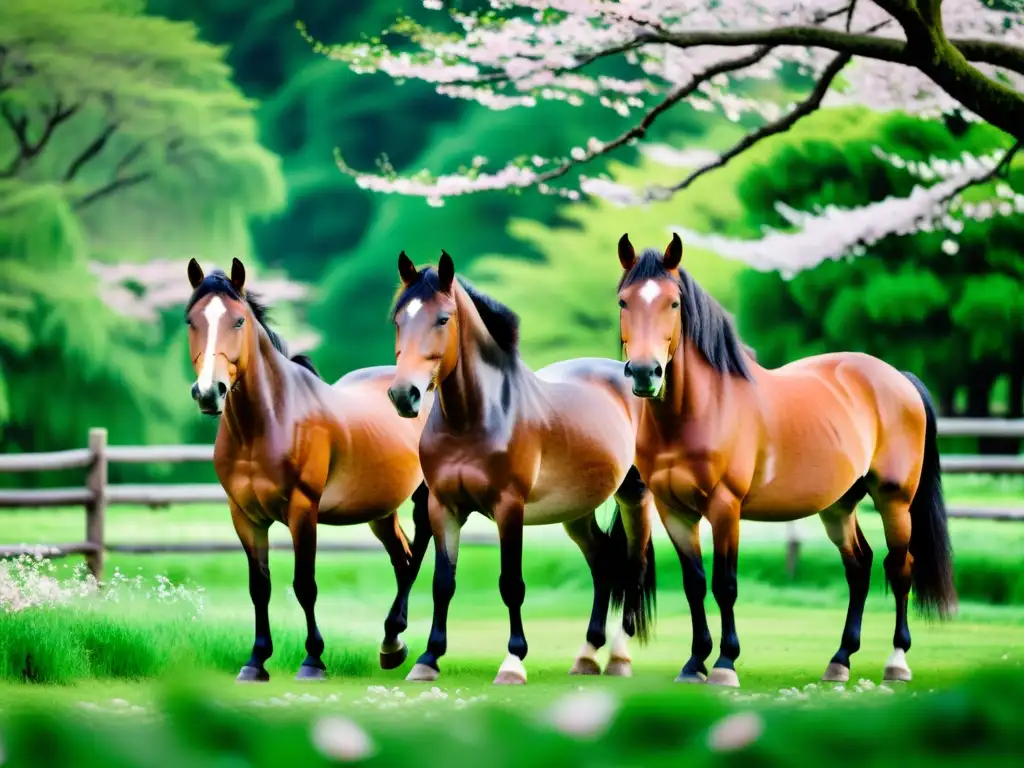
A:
(169, 621)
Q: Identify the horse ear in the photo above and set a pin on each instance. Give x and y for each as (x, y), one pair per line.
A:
(237, 275)
(406, 269)
(673, 253)
(195, 274)
(627, 254)
(445, 272)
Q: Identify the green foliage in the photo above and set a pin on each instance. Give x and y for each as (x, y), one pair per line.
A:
(956, 318)
(69, 362)
(201, 724)
(119, 132)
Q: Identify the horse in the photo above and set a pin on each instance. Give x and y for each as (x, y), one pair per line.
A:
(292, 449)
(725, 439)
(521, 448)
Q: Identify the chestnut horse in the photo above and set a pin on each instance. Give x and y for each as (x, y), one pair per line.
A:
(292, 449)
(522, 448)
(723, 438)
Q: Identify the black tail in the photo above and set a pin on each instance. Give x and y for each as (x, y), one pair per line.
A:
(633, 584)
(306, 363)
(932, 573)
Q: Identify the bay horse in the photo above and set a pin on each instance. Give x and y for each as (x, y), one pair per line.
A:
(726, 439)
(292, 449)
(522, 448)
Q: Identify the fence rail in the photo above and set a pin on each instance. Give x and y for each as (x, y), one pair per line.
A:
(98, 494)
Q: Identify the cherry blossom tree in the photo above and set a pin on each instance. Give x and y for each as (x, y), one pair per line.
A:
(958, 60)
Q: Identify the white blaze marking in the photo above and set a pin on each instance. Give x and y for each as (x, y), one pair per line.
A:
(412, 308)
(213, 313)
(649, 291)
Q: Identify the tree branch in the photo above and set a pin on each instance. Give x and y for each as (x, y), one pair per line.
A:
(115, 185)
(90, 151)
(120, 182)
(858, 44)
(674, 97)
(806, 107)
(129, 157)
(1000, 168)
(27, 149)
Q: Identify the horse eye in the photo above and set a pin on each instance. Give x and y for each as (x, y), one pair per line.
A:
(442, 319)
(622, 303)
(239, 322)
(675, 305)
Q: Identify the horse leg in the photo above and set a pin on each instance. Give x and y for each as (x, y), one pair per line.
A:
(684, 531)
(508, 514)
(593, 543)
(406, 559)
(257, 549)
(898, 564)
(302, 516)
(724, 516)
(388, 530)
(632, 550)
(447, 529)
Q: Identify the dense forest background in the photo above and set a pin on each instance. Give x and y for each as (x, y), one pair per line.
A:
(135, 135)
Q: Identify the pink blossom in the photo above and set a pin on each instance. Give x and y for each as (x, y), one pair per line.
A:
(540, 49)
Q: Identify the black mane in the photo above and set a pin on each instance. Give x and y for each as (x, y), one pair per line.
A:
(705, 322)
(501, 322)
(218, 283)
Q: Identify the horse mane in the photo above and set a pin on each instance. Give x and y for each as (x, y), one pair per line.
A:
(500, 321)
(705, 322)
(217, 282)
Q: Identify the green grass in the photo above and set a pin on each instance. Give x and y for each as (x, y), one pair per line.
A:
(140, 680)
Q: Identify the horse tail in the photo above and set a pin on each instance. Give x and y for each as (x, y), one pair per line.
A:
(306, 363)
(633, 582)
(932, 569)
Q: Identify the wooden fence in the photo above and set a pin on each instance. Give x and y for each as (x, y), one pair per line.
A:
(98, 494)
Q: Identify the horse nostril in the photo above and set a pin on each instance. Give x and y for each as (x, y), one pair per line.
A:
(629, 370)
(414, 394)
(657, 370)
(391, 395)
(222, 388)
(195, 391)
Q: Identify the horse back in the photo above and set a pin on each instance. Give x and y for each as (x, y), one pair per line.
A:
(604, 372)
(826, 420)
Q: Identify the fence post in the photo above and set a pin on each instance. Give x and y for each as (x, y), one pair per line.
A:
(792, 549)
(96, 510)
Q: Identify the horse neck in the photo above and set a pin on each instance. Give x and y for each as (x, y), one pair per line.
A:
(256, 406)
(692, 386)
(473, 383)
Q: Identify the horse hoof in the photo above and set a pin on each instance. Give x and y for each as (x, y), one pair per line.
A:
(836, 673)
(724, 676)
(896, 675)
(697, 678)
(896, 669)
(511, 672)
(421, 673)
(310, 674)
(619, 668)
(253, 675)
(585, 666)
(394, 658)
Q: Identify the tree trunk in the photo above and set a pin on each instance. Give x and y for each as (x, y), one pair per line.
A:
(1014, 408)
(979, 391)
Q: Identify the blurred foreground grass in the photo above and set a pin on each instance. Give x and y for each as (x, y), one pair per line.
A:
(602, 723)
